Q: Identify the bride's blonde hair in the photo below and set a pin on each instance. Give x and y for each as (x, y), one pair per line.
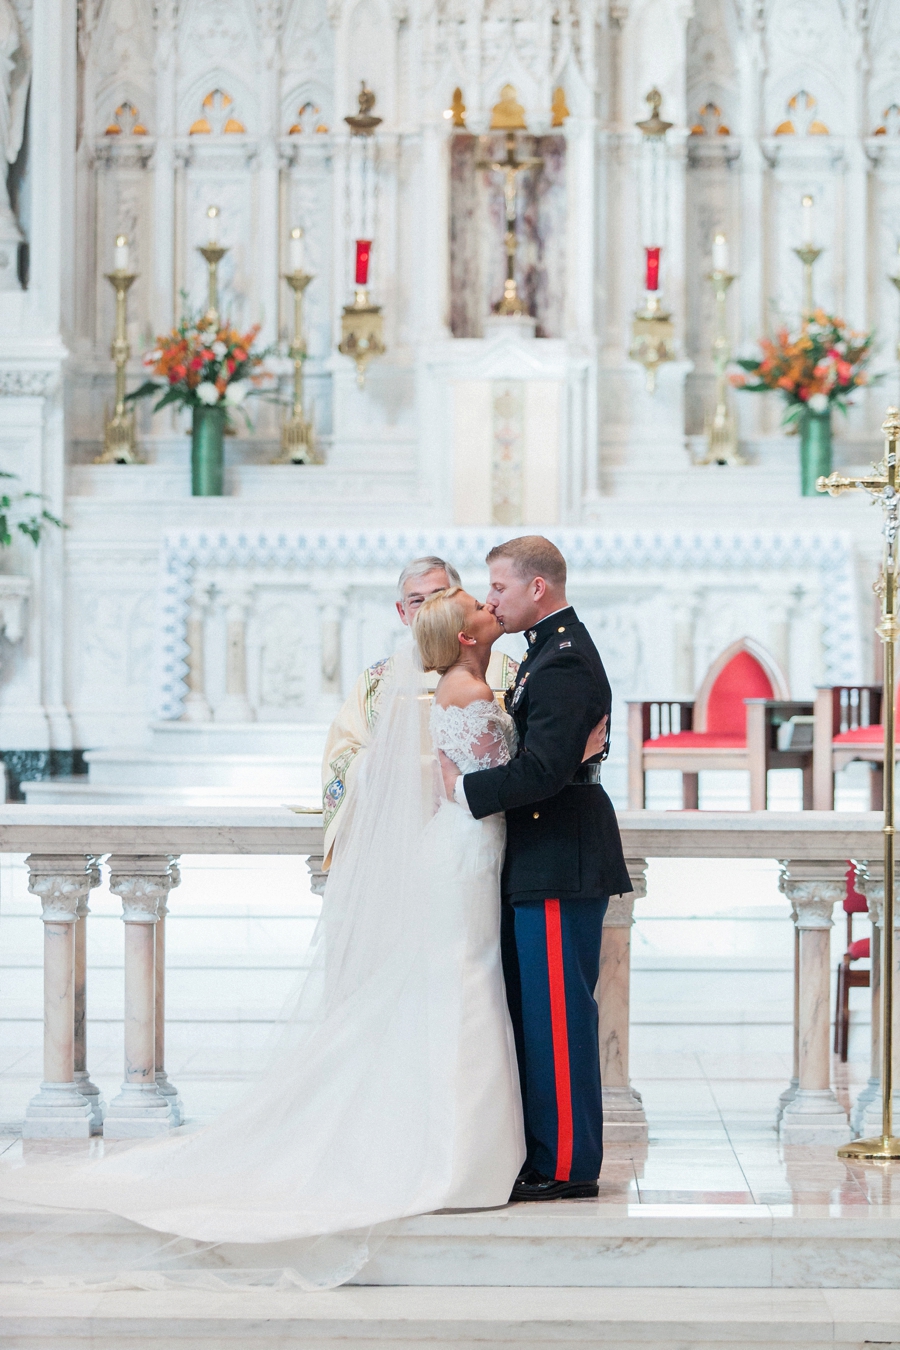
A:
(436, 628)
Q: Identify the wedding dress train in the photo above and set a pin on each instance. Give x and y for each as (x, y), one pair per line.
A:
(393, 1089)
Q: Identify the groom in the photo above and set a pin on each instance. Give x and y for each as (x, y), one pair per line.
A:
(563, 861)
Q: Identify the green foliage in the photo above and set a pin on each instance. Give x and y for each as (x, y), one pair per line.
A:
(14, 516)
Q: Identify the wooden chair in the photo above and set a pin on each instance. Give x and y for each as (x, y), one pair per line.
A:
(848, 979)
(742, 718)
(848, 727)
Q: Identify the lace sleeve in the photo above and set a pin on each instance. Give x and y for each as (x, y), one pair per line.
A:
(478, 736)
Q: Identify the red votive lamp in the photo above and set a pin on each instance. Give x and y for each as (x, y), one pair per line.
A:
(363, 249)
(652, 283)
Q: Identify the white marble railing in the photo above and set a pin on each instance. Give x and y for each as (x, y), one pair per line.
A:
(142, 847)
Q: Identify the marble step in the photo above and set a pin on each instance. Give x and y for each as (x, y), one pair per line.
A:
(575, 1245)
(302, 789)
(491, 1318)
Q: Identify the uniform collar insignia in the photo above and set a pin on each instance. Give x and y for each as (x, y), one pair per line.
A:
(531, 635)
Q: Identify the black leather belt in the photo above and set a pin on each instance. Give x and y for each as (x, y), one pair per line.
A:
(586, 774)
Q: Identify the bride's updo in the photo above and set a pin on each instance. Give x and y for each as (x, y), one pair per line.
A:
(436, 628)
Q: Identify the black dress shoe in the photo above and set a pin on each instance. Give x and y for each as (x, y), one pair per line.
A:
(533, 1185)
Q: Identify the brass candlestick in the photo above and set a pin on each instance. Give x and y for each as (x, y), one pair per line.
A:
(807, 255)
(213, 253)
(119, 439)
(298, 441)
(721, 428)
(882, 485)
(510, 167)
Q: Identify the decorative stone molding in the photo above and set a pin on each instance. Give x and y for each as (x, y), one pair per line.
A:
(620, 911)
(142, 884)
(378, 557)
(813, 890)
(62, 883)
(318, 878)
(14, 591)
(27, 383)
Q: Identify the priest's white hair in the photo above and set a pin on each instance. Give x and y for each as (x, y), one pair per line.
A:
(420, 567)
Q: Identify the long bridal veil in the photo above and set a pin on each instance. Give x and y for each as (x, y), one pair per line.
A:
(350, 1125)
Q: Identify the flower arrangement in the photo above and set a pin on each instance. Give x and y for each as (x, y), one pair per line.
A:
(200, 365)
(815, 371)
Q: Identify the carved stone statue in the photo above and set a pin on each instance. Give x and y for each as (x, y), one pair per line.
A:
(15, 74)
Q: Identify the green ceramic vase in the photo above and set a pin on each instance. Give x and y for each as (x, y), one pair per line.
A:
(815, 450)
(208, 452)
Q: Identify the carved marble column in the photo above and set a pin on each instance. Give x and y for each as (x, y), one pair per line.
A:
(196, 708)
(82, 1077)
(167, 1088)
(866, 1115)
(684, 618)
(790, 1091)
(624, 1120)
(235, 706)
(59, 1110)
(814, 1115)
(140, 1109)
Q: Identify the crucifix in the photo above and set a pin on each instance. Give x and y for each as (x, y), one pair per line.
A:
(510, 167)
(882, 486)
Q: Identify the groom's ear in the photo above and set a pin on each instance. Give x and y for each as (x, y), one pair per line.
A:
(538, 588)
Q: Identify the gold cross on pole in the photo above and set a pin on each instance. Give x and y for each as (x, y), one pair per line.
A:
(510, 167)
(881, 485)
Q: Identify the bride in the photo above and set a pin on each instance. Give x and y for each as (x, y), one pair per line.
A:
(393, 1089)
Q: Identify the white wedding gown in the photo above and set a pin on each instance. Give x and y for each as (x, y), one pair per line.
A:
(393, 1089)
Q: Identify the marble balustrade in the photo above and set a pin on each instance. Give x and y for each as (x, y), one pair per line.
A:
(142, 845)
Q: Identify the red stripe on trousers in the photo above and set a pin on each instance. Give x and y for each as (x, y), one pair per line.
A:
(560, 1033)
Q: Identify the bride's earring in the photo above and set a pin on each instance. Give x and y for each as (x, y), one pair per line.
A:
(466, 640)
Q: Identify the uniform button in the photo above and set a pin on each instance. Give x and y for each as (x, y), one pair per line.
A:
(537, 815)
(560, 630)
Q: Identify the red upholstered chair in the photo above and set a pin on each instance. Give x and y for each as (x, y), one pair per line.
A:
(848, 727)
(734, 723)
(848, 979)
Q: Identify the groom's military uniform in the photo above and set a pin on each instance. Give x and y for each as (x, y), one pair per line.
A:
(563, 861)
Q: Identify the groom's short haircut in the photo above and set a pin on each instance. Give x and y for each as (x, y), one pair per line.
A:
(420, 567)
(532, 556)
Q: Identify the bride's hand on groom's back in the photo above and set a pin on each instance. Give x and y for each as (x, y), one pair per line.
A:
(596, 742)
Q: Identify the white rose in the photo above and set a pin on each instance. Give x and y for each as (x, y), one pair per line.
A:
(207, 393)
(218, 350)
(236, 392)
(817, 403)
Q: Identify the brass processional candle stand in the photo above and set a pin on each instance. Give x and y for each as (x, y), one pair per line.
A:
(298, 440)
(119, 445)
(882, 485)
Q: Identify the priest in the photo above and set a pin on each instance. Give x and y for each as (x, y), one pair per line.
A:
(351, 731)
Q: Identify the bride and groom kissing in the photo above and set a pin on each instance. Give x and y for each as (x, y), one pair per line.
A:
(441, 1051)
(529, 769)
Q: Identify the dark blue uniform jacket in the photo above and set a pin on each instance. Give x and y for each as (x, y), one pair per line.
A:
(562, 838)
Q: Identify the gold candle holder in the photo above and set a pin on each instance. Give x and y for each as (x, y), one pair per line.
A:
(213, 252)
(362, 332)
(721, 427)
(807, 255)
(298, 438)
(119, 446)
(652, 338)
(882, 486)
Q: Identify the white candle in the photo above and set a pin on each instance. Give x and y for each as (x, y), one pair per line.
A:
(120, 263)
(807, 219)
(720, 253)
(212, 216)
(296, 258)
